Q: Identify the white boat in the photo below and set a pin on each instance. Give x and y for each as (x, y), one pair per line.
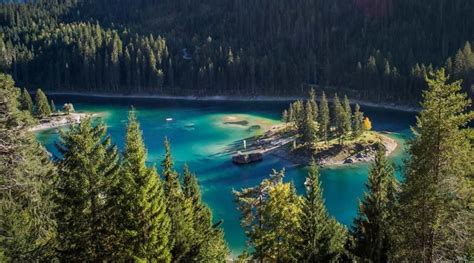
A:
(169, 119)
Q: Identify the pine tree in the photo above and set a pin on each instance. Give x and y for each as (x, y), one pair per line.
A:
(324, 118)
(309, 128)
(209, 245)
(357, 120)
(322, 238)
(53, 106)
(281, 214)
(141, 204)
(42, 106)
(284, 117)
(251, 204)
(88, 166)
(180, 209)
(313, 104)
(346, 116)
(26, 101)
(371, 226)
(27, 224)
(338, 116)
(432, 223)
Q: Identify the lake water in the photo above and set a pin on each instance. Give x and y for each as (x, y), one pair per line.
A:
(200, 138)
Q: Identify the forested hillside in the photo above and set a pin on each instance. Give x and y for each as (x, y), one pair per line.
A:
(369, 49)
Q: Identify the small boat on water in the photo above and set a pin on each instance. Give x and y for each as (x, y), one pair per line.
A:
(245, 158)
(169, 119)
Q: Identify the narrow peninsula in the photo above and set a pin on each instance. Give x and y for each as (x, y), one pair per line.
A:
(331, 136)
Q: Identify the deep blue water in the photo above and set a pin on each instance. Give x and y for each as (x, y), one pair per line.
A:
(200, 138)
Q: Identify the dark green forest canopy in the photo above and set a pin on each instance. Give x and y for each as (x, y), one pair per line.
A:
(368, 49)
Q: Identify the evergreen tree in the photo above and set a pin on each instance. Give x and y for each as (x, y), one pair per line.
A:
(26, 101)
(53, 106)
(281, 214)
(313, 104)
(251, 203)
(322, 237)
(338, 116)
(27, 225)
(42, 106)
(324, 118)
(347, 116)
(371, 226)
(87, 169)
(309, 128)
(432, 223)
(357, 121)
(284, 117)
(209, 245)
(141, 203)
(180, 209)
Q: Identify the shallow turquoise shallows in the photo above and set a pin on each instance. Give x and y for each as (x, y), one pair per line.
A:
(200, 138)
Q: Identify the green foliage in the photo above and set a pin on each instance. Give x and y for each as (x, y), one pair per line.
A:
(209, 244)
(309, 126)
(357, 121)
(68, 108)
(376, 212)
(432, 222)
(27, 227)
(324, 118)
(346, 116)
(338, 116)
(42, 108)
(53, 106)
(87, 170)
(270, 217)
(322, 237)
(144, 225)
(46, 43)
(26, 101)
(179, 208)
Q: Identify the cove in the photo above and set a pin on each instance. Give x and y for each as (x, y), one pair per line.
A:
(200, 137)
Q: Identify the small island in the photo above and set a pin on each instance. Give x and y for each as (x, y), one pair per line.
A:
(331, 136)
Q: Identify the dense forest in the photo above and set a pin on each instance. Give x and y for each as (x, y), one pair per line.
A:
(367, 49)
(94, 203)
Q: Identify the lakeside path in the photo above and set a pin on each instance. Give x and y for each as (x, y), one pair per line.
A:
(61, 120)
(390, 106)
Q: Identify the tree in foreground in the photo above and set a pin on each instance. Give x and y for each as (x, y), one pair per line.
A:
(26, 174)
(270, 216)
(144, 225)
(42, 105)
(434, 222)
(322, 237)
(87, 168)
(209, 244)
(179, 209)
(371, 226)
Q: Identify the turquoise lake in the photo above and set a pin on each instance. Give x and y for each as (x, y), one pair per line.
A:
(200, 138)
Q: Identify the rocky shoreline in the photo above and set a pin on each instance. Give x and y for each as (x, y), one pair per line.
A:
(59, 121)
(273, 143)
